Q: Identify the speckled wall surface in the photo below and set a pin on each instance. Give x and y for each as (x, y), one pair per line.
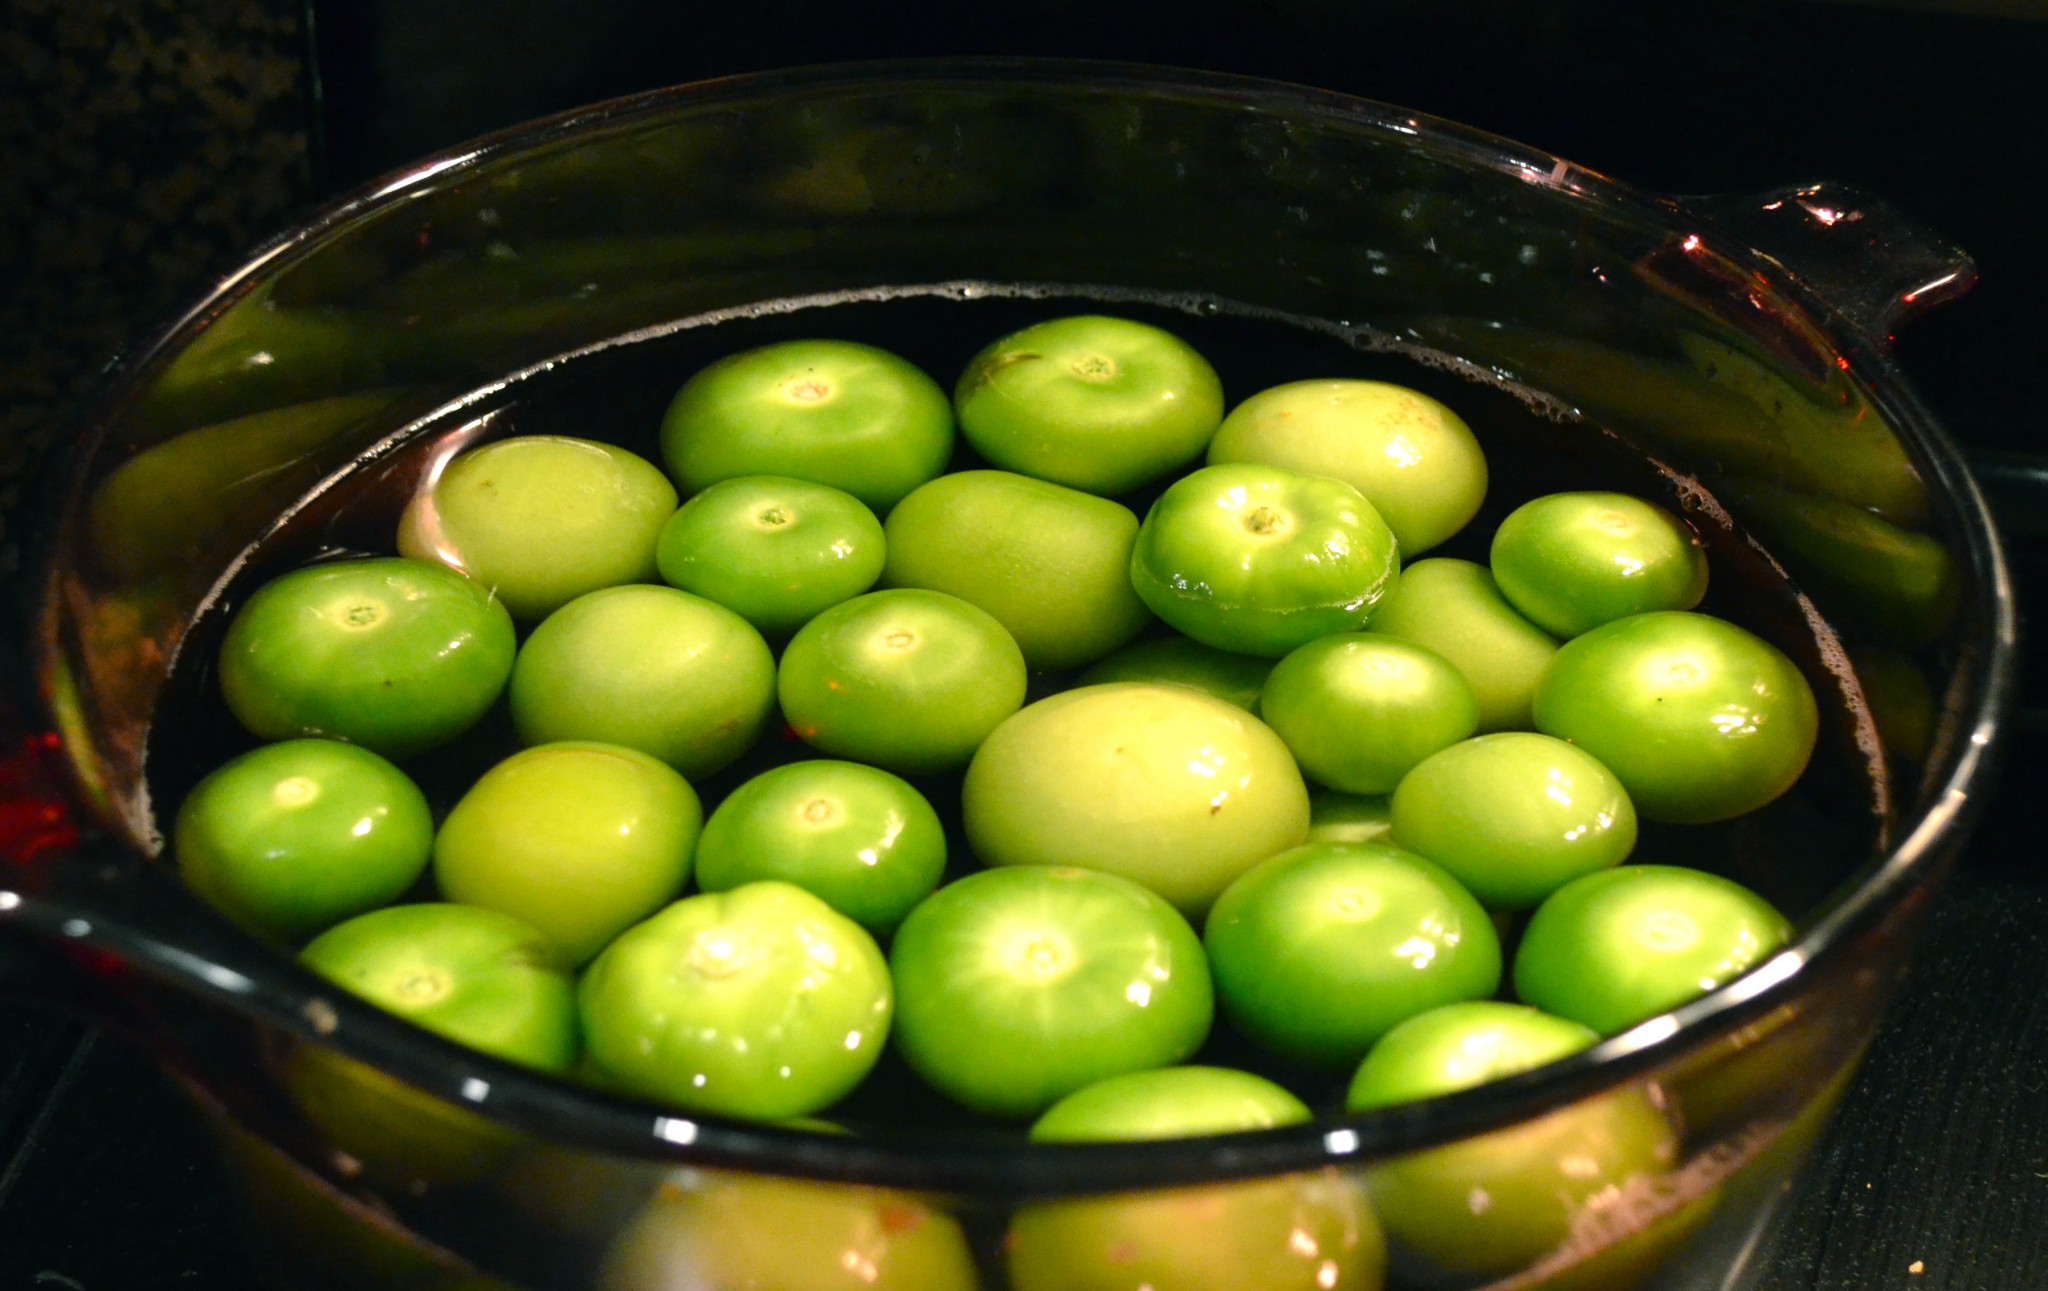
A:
(147, 145)
(144, 146)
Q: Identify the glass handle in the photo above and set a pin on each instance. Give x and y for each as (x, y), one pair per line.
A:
(1875, 265)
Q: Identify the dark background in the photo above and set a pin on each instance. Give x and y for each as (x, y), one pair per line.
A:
(146, 144)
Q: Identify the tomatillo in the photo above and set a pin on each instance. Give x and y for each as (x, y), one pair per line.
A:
(579, 839)
(1018, 986)
(1321, 950)
(1095, 403)
(762, 1002)
(714, 1229)
(1414, 459)
(907, 679)
(1514, 816)
(1359, 709)
(1301, 1232)
(1619, 946)
(1700, 719)
(1163, 785)
(1573, 561)
(478, 977)
(1489, 1207)
(395, 655)
(1052, 564)
(774, 550)
(1258, 560)
(1169, 1103)
(1492, 1205)
(292, 838)
(1309, 1231)
(1458, 1046)
(863, 840)
(652, 668)
(541, 519)
(838, 413)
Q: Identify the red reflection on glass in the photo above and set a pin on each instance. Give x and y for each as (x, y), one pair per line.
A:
(35, 812)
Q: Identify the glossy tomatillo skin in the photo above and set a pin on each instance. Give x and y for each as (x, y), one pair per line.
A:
(1514, 816)
(1258, 560)
(1493, 1205)
(907, 679)
(1414, 459)
(774, 550)
(1169, 1103)
(1309, 1230)
(1052, 564)
(292, 838)
(1302, 1232)
(1573, 561)
(1018, 986)
(1458, 1046)
(395, 655)
(859, 838)
(478, 977)
(541, 519)
(1619, 946)
(1359, 709)
(762, 1002)
(1099, 404)
(651, 668)
(1163, 785)
(832, 412)
(1453, 607)
(579, 839)
(1321, 950)
(1700, 719)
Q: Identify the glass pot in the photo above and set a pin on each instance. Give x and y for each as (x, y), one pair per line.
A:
(1741, 342)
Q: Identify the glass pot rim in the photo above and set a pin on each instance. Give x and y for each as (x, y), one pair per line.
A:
(277, 992)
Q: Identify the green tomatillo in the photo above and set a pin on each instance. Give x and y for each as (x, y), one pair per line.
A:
(395, 655)
(1259, 560)
(1619, 946)
(541, 519)
(838, 413)
(292, 838)
(762, 1002)
(651, 668)
(1413, 458)
(1052, 564)
(579, 839)
(774, 550)
(1321, 950)
(1163, 785)
(1700, 719)
(907, 679)
(1096, 403)
(1573, 561)
(1018, 986)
